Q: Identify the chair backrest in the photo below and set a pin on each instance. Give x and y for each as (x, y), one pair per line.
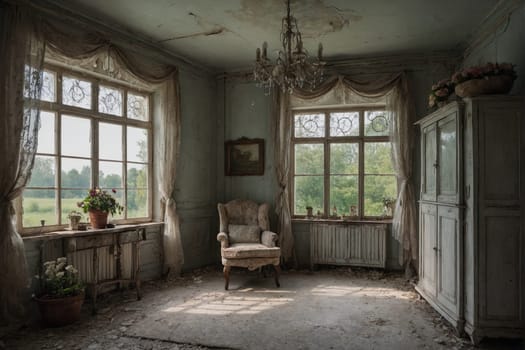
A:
(243, 212)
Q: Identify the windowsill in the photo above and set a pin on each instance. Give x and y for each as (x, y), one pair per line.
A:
(343, 221)
(89, 232)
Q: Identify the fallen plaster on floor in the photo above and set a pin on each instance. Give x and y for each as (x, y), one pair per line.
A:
(198, 302)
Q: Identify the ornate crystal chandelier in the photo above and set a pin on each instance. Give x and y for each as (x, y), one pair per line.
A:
(292, 68)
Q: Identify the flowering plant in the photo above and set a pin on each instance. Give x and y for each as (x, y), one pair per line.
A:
(440, 92)
(483, 72)
(59, 279)
(100, 200)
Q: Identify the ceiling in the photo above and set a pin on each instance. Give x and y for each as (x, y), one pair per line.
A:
(224, 34)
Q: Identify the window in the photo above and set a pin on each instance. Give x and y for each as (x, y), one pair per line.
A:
(93, 133)
(342, 161)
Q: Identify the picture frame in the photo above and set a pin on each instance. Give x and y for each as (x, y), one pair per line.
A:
(244, 157)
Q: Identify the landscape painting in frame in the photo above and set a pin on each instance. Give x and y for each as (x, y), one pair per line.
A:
(244, 157)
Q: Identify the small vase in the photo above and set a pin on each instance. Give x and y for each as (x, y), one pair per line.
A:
(98, 219)
(73, 222)
(58, 312)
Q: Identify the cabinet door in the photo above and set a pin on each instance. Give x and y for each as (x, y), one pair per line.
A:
(448, 257)
(427, 250)
(448, 159)
(429, 163)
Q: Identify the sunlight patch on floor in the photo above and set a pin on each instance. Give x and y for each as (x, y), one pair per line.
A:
(341, 291)
(226, 304)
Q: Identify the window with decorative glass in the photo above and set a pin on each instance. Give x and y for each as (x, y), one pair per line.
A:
(93, 133)
(342, 163)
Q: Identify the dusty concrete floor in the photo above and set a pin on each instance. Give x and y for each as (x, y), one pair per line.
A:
(334, 308)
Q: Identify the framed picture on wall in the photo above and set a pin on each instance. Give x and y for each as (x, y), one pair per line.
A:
(244, 157)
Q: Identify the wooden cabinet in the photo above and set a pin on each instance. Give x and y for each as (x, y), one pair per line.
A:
(440, 239)
(471, 221)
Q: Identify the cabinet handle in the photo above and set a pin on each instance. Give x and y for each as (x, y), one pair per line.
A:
(436, 165)
(436, 249)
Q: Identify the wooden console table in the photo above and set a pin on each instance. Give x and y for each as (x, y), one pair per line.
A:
(114, 240)
(73, 242)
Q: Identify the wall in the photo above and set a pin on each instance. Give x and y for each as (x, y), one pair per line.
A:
(504, 43)
(196, 170)
(244, 110)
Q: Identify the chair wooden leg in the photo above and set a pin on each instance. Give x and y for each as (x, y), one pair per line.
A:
(277, 273)
(226, 276)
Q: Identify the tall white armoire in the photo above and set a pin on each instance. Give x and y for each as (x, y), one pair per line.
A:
(471, 215)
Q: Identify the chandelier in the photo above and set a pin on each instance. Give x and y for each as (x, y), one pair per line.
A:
(292, 69)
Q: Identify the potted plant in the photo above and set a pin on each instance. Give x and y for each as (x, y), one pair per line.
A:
(61, 293)
(440, 93)
(309, 211)
(491, 78)
(74, 219)
(99, 204)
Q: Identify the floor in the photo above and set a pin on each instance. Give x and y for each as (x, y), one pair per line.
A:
(333, 308)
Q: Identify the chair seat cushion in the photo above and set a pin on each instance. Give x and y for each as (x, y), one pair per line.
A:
(250, 250)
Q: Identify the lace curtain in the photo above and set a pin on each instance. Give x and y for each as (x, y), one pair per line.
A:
(391, 88)
(21, 54)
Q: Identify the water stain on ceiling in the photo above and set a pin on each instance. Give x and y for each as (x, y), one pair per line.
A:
(314, 17)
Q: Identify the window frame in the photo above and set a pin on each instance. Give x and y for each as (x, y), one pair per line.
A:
(95, 117)
(326, 141)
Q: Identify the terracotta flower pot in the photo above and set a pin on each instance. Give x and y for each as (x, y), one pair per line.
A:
(98, 219)
(498, 84)
(58, 312)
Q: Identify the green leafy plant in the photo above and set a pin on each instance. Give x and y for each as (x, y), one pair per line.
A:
(59, 279)
(98, 199)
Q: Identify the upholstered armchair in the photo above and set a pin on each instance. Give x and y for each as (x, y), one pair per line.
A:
(246, 239)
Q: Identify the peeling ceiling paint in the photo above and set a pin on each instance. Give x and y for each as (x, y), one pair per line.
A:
(316, 17)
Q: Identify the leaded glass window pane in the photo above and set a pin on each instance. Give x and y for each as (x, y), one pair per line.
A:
(309, 125)
(344, 124)
(110, 100)
(377, 123)
(138, 107)
(76, 92)
(49, 83)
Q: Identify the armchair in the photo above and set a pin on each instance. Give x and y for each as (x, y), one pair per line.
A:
(246, 239)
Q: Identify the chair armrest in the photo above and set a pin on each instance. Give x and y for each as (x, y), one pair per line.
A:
(223, 238)
(268, 238)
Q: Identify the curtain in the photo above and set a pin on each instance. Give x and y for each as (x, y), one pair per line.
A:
(399, 105)
(21, 54)
(283, 137)
(404, 223)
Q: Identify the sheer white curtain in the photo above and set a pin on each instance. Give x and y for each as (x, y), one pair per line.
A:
(390, 87)
(282, 139)
(21, 54)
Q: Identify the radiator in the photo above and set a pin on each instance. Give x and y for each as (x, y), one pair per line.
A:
(107, 264)
(344, 244)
